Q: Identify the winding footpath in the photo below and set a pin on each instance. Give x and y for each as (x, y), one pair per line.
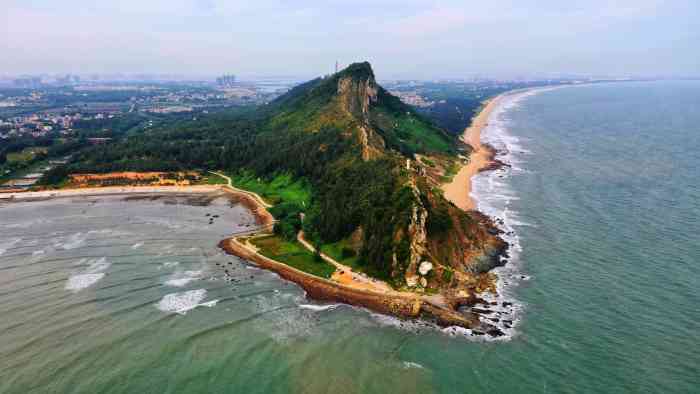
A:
(253, 195)
(345, 275)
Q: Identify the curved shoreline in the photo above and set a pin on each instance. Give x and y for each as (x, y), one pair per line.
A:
(441, 310)
(482, 158)
(399, 304)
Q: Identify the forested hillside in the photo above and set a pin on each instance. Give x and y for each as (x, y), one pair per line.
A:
(355, 144)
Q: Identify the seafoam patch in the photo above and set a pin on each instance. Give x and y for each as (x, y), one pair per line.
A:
(318, 308)
(73, 241)
(169, 264)
(4, 246)
(411, 365)
(184, 302)
(82, 281)
(87, 277)
(181, 278)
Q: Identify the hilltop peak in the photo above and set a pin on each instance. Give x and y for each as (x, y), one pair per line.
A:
(360, 70)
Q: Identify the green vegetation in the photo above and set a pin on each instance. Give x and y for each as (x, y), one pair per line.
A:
(451, 169)
(278, 188)
(343, 253)
(23, 155)
(407, 131)
(213, 179)
(291, 197)
(333, 149)
(26, 155)
(293, 254)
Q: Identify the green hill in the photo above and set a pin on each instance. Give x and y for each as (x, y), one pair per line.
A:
(356, 147)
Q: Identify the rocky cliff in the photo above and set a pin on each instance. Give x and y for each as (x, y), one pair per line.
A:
(373, 186)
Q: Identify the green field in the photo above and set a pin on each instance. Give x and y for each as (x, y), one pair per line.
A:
(213, 179)
(280, 188)
(26, 155)
(292, 254)
(420, 136)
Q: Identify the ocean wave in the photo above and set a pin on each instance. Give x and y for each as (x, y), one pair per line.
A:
(183, 302)
(494, 196)
(318, 308)
(87, 277)
(169, 264)
(82, 281)
(422, 326)
(5, 246)
(182, 278)
(72, 241)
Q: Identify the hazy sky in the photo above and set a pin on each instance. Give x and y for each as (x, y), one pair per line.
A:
(402, 38)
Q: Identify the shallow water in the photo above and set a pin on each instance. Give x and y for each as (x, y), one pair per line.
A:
(114, 295)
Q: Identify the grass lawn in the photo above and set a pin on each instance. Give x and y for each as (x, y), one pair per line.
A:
(335, 250)
(292, 254)
(281, 188)
(26, 155)
(213, 179)
(421, 135)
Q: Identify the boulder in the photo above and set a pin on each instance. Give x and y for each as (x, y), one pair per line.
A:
(425, 267)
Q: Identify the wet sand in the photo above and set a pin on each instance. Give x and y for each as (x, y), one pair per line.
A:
(96, 191)
(459, 189)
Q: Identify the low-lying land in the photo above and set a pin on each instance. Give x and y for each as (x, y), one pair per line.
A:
(292, 254)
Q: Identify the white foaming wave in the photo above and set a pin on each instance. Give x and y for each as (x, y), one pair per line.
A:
(82, 281)
(210, 304)
(181, 278)
(412, 365)
(169, 264)
(494, 196)
(92, 274)
(72, 242)
(4, 246)
(184, 302)
(98, 265)
(137, 245)
(318, 308)
(38, 252)
(420, 326)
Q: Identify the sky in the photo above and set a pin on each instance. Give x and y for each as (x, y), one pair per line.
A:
(401, 38)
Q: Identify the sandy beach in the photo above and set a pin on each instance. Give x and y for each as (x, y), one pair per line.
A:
(96, 191)
(459, 189)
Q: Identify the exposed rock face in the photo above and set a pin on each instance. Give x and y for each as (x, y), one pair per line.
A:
(416, 223)
(468, 248)
(425, 267)
(356, 95)
(417, 234)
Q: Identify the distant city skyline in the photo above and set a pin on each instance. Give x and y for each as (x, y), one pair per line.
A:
(403, 39)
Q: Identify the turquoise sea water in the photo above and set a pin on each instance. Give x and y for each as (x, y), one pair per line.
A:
(132, 296)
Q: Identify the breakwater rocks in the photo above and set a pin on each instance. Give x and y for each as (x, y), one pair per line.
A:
(403, 305)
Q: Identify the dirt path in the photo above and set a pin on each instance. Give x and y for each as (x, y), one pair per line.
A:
(255, 196)
(345, 275)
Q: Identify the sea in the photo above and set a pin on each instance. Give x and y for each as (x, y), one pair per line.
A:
(600, 203)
